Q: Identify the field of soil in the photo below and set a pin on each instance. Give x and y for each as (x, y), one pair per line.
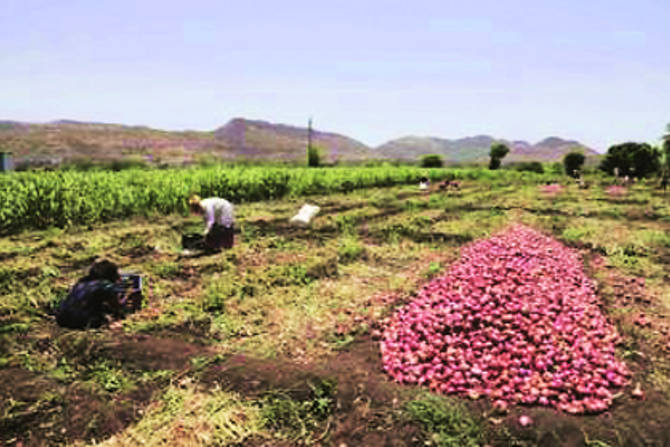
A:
(276, 342)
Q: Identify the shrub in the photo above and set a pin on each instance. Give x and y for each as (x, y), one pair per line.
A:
(79, 164)
(432, 161)
(530, 166)
(207, 160)
(556, 168)
(313, 156)
(573, 163)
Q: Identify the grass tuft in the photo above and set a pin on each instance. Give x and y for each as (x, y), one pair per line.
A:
(446, 423)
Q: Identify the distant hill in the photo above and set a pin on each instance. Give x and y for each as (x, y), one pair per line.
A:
(260, 139)
(469, 149)
(476, 149)
(549, 149)
(65, 140)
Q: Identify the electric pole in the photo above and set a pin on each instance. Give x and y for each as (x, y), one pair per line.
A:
(309, 134)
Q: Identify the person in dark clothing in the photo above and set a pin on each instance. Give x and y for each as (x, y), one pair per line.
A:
(96, 297)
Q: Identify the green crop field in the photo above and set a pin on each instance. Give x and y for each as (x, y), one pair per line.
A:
(65, 198)
(276, 341)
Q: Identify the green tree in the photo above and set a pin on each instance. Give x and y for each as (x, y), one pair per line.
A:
(497, 153)
(573, 162)
(556, 168)
(313, 156)
(632, 159)
(666, 150)
(432, 161)
(530, 166)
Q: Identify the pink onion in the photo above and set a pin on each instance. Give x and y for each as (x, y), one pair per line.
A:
(525, 421)
(515, 319)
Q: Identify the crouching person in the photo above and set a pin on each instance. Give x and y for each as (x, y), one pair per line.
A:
(98, 297)
(219, 220)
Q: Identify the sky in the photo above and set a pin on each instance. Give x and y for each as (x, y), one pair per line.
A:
(595, 71)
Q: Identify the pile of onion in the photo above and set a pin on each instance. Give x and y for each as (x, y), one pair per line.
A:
(552, 189)
(616, 190)
(515, 320)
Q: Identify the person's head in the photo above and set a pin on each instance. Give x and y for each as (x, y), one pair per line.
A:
(104, 270)
(194, 204)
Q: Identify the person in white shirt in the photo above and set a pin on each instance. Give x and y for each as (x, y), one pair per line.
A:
(219, 220)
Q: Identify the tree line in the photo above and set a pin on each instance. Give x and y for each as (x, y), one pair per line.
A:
(626, 159)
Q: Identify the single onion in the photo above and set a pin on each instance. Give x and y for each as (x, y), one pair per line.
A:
(525, 421)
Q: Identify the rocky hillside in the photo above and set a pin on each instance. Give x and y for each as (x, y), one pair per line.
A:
(65, 140)
(549, 149)
(462, 150)
(260, 139)
(240, 138)
(476, 149)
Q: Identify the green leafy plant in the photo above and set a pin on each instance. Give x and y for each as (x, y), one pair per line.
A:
(528, 166)
(297, 419)
(349, 249)
(447, 423)
(109, 377)
(433, 269)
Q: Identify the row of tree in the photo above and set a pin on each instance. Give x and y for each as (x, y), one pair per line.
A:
(638, 159)
(626, 159)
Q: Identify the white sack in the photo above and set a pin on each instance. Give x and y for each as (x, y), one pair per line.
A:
(305, 215)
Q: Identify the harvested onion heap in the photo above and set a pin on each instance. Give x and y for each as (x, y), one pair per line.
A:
(515, 320)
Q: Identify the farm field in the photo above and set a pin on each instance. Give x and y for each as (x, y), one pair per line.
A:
(276, 342)
(38, 200)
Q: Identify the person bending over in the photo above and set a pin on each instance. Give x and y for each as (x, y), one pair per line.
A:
(96, 298)
(219, 220)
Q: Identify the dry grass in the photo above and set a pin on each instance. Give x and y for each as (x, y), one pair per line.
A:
(185, 416)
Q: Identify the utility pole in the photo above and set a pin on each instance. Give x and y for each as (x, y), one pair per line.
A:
(309, 134)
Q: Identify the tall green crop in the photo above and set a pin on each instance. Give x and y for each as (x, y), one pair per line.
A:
(65, 198)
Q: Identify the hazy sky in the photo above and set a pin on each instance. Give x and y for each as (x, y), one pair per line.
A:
(597, 71)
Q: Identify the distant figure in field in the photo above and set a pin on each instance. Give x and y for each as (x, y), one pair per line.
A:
(449, 184)
(98, 297)
(579, 180)
(664, 182)
(219, 220)
(424, 183)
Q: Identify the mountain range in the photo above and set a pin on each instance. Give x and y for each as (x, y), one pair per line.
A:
(476, 149)
(241, 138)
